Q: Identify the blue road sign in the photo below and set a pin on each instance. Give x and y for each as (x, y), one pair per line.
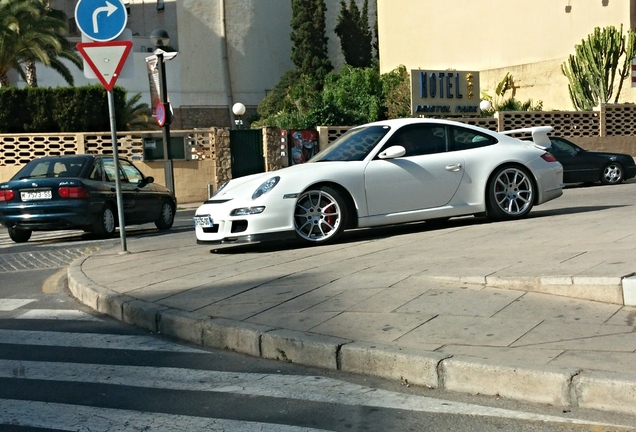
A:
(101, 20)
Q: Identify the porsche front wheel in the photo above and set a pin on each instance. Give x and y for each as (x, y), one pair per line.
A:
(320, 215)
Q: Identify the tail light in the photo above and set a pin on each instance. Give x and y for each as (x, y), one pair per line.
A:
(548, 157)
(73, 192)
(6, 195)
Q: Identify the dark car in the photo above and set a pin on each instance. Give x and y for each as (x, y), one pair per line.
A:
(79, 192)
(584, 166)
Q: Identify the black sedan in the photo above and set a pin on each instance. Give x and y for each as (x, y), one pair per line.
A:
(79, 192)
(584, 166)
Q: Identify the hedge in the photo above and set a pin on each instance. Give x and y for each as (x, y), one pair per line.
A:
(60, 109)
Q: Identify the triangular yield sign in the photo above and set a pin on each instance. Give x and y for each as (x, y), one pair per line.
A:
(106, 59)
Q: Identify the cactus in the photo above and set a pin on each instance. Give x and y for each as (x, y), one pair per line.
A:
(599, 61)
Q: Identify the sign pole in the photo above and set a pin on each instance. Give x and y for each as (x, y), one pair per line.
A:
(102, 21)
(120, 205)
(166, 120)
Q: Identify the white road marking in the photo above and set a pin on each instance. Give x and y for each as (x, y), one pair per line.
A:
(7, 305)
(307, 388)
(91, 340)
(75, 418)
(58, 314)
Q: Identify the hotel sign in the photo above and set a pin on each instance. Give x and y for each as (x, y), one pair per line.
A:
(444, 93)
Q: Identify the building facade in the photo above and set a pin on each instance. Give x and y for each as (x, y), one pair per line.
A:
(229, 51)
(528, 39)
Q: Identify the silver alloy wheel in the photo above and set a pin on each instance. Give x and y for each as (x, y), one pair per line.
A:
(108, 221)
(612, 173)
(513, 192)
(317, 216)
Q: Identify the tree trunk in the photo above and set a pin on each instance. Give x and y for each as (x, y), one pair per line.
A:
(31, 74)
(4, 80)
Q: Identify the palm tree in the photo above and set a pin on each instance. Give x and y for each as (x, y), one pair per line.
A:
(54, 21)
(136, 115)
(31, 32)
(13, 14)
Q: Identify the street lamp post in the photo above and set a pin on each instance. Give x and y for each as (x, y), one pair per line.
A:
(238, 109)
(160, 38)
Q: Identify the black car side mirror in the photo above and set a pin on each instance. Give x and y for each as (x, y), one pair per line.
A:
(143, 182)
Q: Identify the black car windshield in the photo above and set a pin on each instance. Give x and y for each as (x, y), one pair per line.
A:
(354, 145)
(52, 167)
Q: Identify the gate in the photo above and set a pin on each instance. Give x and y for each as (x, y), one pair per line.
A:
(246, 149)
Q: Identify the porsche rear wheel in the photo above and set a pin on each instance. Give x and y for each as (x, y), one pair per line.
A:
(612, 173)
(510, 193)
(320, 215)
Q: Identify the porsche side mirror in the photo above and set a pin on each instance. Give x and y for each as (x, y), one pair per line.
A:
(393, 152)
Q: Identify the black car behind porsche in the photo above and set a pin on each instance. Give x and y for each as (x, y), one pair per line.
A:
(585, 166)
(79, 192)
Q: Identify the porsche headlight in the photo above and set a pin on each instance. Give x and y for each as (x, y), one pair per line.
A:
(265, 187)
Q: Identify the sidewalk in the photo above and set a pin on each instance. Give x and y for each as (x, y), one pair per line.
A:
(530, 310)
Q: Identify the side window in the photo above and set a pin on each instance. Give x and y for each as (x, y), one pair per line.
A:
(464, 139)
(420, 139)
(109, 169)
(133, 175)
(97, 172)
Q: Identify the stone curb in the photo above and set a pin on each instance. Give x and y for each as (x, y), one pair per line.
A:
(565, 387)
(614, 290)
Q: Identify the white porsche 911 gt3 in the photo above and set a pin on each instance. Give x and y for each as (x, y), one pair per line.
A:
(383, 173)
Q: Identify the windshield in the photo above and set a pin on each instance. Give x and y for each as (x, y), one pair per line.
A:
(53, 167)
(354, 145)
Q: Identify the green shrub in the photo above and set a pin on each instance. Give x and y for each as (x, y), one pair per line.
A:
(61, 109)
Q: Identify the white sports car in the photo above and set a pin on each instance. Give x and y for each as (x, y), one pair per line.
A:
(383, 173)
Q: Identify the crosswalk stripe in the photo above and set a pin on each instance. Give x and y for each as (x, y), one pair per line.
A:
(58, 314)
(74, 417)
(297, 387)
(7, 305)
(91, 340)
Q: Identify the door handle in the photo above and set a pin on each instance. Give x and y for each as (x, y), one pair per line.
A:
(453, 167)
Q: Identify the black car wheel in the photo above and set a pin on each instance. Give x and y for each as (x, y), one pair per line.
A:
(166, 216)
(104, 226)
(20, 235)
(613, 173)
(510, 193)
(320, 215)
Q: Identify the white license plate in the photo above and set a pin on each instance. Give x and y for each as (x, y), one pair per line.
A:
(37, 195)
(203, 221)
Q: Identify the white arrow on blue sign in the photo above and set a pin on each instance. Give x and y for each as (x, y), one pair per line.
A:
(101, 20)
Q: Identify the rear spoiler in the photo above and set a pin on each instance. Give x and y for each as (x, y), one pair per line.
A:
(539, 135)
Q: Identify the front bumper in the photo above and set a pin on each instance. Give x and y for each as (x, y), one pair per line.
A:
(275, 223)
(251, 239)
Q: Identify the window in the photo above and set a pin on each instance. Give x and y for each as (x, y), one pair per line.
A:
(354, 145)
(464, 139)
(109, 169)
(97, 173)
(133, 175)
(420, 139)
